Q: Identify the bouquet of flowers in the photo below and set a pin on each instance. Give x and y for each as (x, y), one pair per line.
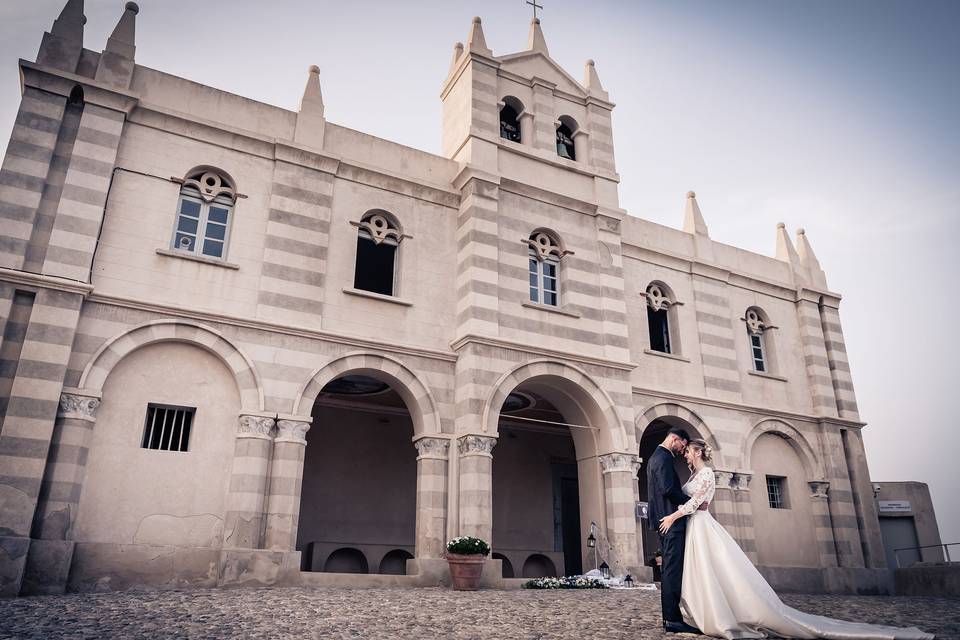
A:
(565, 582)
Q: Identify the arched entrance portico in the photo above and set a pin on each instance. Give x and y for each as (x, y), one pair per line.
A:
(558, 466)
(373, 485)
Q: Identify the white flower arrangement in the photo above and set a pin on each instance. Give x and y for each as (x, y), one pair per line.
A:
(565, 582)
(468, 545)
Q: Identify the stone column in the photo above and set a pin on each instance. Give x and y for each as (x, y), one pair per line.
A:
(51, 550)
(526, 128)
(432, 454)
(823, 523)
(286, 480)
(747, 539)
(246, 493)
(476, 486)
(724, 505)
(619, 479)
(581, 146)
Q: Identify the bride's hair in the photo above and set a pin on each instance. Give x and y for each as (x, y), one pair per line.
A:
(705, 450)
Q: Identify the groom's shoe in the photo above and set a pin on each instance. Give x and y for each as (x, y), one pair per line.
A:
(679, 627)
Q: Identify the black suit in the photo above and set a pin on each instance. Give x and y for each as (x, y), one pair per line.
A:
(664, 496)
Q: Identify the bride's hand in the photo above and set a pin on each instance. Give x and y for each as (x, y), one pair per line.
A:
(665, 524)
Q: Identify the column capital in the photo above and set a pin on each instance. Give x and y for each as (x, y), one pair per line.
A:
(432, 448)
(293, 431)
(724, 479)
(613, 462)
(254, 426)
(78, 404)
(741, 481)
(474, 445)
(819, 489)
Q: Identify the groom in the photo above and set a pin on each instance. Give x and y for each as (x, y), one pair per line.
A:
(664, 495)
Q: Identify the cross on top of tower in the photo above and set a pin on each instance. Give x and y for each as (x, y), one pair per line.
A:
(535, 6)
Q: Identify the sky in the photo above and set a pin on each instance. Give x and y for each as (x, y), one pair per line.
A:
(839, 117)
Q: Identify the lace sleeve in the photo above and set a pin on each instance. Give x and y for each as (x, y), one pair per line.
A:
(703, 486)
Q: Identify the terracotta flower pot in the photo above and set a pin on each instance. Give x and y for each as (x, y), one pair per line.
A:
(465, 570)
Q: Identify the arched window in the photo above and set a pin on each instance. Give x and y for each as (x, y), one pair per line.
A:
(566, 127)
(510, 119)
(660, 304)
(203, 213)
(378, 238)
(756, 326)
(544, 254)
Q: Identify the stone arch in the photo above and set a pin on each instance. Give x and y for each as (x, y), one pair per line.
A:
(794, 438)
(575, 384)
(674, 410)
(416, 395)
(171, 330)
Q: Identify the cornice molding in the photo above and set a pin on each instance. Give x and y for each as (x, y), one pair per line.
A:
(59, 82)
(263, 325)
(762, 411)
(29, 279)
(500, 343)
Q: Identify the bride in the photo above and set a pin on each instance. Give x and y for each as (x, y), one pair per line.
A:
(725, 596)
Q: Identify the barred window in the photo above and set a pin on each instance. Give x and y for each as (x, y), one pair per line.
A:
(776, 492)
(167, 427)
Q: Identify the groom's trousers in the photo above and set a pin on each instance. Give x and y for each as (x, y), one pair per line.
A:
(672, 547)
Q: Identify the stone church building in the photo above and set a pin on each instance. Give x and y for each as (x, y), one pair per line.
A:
(245, 345)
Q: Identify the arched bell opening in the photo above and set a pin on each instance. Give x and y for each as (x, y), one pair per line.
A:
(359, 478)
(547, 487)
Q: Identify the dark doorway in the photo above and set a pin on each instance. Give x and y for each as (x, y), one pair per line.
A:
(569, 499)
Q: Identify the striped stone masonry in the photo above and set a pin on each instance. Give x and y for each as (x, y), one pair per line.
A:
(432, 457)
(476, 486)
(66, 465)
(601, 137)
(863, 499)
(73, 238)
(247, 490)
(613, 320)
(286, 481)
(721, 371)
(823, 523)
(24, 171)
(839, 364)
(477, 260)
(815, 358)
(619, 491)
(295, 246)
(34, 401)
(745, 536)
(724, 506)
(544, 117)
(840, 498)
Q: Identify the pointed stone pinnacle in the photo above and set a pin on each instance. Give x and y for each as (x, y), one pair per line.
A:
(476, 43)
(457, 54)
(807, 257)
(312, 100)
(70, 22)
(123, 39)
(785, 250)
(536, 41)
(590, 78)
(693, 221)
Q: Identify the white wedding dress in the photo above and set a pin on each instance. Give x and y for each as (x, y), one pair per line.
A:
(725, 596)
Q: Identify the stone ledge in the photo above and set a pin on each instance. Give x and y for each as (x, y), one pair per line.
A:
(360, 293)
(551, 309)
(768, 376)
(661, 354)
(170, 253)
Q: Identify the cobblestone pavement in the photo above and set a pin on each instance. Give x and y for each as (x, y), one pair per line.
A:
(405, 613)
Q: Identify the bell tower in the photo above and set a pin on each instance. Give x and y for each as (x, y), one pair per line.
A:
(525, 104)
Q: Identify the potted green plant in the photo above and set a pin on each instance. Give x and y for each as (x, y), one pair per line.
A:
(465, 556)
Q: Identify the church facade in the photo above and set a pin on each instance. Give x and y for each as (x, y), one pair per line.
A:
(245, 345)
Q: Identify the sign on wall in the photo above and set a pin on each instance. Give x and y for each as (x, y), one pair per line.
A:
(643, 510)
(895, 506)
